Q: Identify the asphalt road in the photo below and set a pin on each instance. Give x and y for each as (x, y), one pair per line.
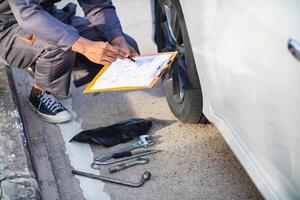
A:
(196, 162)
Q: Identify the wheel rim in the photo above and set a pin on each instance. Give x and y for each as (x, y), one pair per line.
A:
(174, 42)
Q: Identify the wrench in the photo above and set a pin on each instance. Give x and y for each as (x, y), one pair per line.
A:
(145, 177)
(144, 141)
(96, 164)
(138, 161)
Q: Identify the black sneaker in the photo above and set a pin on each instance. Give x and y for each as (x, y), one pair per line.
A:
(48, 108)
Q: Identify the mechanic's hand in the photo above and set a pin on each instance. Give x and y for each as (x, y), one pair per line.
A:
(121, 42)
(98, 52)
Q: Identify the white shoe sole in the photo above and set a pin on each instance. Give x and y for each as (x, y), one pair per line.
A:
(52, 119)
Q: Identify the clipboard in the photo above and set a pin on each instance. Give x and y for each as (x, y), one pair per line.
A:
(98, 84)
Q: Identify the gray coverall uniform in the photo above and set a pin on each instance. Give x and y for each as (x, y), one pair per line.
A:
(36, 33)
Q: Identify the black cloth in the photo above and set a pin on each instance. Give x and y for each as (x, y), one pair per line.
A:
(115, 134)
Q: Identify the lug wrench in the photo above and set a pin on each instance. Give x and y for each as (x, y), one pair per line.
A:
(138, 161)
(145, 177)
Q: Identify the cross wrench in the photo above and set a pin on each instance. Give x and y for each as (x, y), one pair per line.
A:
(145, 177)
(144, 141)
(138, 161)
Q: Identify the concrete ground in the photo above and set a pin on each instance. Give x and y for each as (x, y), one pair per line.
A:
(17, 179)
(196, 162)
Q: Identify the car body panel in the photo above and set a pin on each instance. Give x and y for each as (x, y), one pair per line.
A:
(250, 84)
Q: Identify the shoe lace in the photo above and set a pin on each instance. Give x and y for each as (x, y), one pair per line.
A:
(50, 101)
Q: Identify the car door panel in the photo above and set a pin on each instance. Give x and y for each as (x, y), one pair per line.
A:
(250, 84)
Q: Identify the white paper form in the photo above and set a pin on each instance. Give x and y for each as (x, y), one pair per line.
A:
(125, 73)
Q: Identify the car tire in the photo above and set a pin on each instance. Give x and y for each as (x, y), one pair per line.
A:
(181, 82)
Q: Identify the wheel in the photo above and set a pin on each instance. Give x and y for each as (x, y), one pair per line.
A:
(181, 82)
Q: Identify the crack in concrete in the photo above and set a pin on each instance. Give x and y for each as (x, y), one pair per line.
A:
(2, 178)
(1, 189)
(17, 177)
(18, 187)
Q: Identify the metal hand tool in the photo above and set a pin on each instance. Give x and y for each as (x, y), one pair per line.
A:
(145, 177)
(144, 141)
(138, 161)
(95, 164)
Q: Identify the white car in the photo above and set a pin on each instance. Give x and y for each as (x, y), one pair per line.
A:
(238, 66)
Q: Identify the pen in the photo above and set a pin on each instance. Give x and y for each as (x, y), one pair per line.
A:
(130, 58)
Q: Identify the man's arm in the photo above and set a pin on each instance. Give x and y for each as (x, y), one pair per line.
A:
(102, 14)
(32, 18)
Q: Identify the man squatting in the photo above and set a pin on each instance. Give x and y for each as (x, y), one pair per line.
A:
(58, 44)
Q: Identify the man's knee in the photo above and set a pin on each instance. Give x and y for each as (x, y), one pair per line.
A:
(52, 52)
(53, 69)
(55, 61)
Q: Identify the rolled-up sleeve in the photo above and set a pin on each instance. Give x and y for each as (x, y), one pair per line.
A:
(102, 14)
(31, 17)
